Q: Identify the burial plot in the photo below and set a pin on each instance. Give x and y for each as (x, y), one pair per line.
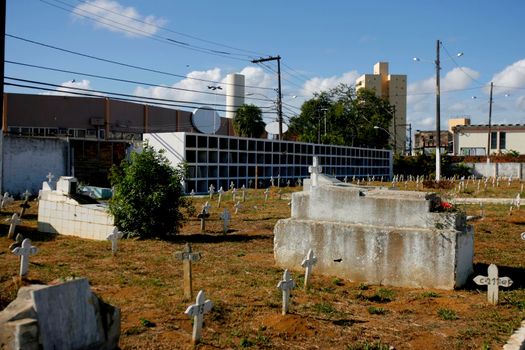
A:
(388, 237)
(187, 256)
(493, 282)
(197, 311)
(24, 252)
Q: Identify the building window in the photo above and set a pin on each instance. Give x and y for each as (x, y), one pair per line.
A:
(493, 140)
(502, 140)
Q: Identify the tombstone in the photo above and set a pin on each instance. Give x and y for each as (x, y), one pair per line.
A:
(25, 204)
(315, 169)
(232, 185)
(243, 190)
(24, 251)
(250, 182)
(225, 216)
(50, 177)
(286, 285)
(15, 220)
(6, 200)
(308, 264)
(237, 206)
(220, 192)
(266, 193)
(234, 194)
(278, 180)
(272, 181)
(493, 282)
(17, 243)
(187, 256)
(204, 214)
(192, 193)
(211, 191)
(114, 237)
(288, 183)
(197, 311)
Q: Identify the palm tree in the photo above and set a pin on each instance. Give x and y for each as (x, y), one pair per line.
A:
(248, 121)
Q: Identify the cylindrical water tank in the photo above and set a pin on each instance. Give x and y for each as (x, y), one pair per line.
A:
(234, 93)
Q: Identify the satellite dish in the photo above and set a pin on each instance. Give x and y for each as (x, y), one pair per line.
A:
(273, 128)
(206, 120)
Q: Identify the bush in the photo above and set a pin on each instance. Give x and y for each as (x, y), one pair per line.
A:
(147, 195)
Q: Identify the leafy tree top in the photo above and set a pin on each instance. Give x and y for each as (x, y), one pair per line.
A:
(248, 121)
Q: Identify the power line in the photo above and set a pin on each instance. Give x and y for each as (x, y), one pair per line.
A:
(125, 64)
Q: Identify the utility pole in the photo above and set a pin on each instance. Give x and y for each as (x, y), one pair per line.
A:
(438, 116)
(490, 121)
(3, 118)
(279, 96)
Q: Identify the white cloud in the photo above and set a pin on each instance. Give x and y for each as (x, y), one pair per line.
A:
(323, 84)
(64, 91)
(113, 16)
(512, 76)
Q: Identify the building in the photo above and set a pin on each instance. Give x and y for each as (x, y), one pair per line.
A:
(393, 88)
(425, 141)
(474, 139)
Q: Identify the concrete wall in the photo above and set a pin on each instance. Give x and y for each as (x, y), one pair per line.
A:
(27, 161)
(514, 170)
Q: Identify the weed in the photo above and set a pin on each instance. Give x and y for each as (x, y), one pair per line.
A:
(146, 323)
(362, 286)
(377, 345)
(429, 294)
(383, 295)
(241, 254)
(376, 310)
(447, 314)
(324, 308)
(337, 281)
(245, 343)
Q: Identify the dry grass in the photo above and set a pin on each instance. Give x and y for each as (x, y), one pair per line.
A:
(237, 272)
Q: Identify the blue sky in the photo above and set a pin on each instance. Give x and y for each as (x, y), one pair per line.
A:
(321, 44)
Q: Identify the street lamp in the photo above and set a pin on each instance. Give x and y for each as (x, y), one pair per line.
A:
(385, 130)
(213, 88)
(438, 108)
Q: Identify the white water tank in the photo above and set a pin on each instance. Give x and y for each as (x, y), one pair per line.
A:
(234, 93)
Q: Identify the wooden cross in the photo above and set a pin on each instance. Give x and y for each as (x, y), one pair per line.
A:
(243, 190)
(6, 200)
(220, 192)
(315, 169)
(187, 256)
(493, 282)
(197, 311)
(225, 216)
(237, 206)
(114, 237)
(204, 214)
(24, 251)
(15, 220)
(280, 192)
(211, 191)
(266, 193)
(50, 177)
(308, 263)
(286, 285)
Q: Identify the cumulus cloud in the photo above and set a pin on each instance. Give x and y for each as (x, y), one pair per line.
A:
(113, 16)
(512, 76)
(322, 84)
(64, 91)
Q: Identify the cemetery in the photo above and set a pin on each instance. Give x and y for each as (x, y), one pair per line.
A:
(222, 281)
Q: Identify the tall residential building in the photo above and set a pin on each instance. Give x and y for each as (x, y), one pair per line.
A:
(393, 88)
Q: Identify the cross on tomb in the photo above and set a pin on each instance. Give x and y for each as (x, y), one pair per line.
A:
(187, 256)
(266, 193)
(197, 311)
(204, 214)
(15, 220)
(308, 263)
(243, 190)
(237, 206)
(493, 282)
(6, 200)
(315, 169)
(24, 252)
(211, 191)
(225, 216)
(114, 237)
(220, 192)
(50, 177)
(286, 285)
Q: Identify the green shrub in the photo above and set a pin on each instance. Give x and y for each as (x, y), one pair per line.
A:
(447, 314)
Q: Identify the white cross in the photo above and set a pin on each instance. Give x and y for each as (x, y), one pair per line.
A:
(237, 206)
(225, 216)
(192, 193)
(232, 185)
(197, 311)
(286, 285)
(204, 214)
(234, 194)
(266, 193)
(272, 180)
(211, 191)
(517, 201)
(206, 207)
(50, 177)
(243, 190)
(493, 282)
(24, 252)
(114, 237)
(220, 192)
(315, 169)
(278, 180)
(510, 180)
(187, 256)
(13, 221)
(308, 263)
(288, 183)
(26, 195)
(299, 182)
(6, 200)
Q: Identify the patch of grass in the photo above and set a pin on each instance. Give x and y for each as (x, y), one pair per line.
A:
(147, 323)
(429, 294)
(376, 345)
(383, 295)
(337, 281)
(241, 254)
(373, 310)
(447, 314)
(362, 286)
(324, 308)
(246, 343)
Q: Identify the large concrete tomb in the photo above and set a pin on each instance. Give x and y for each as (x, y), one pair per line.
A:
(377, 236)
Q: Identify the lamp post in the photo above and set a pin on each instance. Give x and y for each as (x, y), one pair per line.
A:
(385, 130)
(214, 88)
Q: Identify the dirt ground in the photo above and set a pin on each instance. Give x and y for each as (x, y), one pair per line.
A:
(237, 272)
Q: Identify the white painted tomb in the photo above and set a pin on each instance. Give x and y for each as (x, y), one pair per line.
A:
(60, 211)
(377, 236)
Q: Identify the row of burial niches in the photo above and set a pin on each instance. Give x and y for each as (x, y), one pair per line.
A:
(239, 144)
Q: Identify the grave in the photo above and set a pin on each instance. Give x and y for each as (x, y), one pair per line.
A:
(376, 236)
(65, 212)
(197, 311)
(187, 256)
(61, 316)
(286, 285)
(24, 252)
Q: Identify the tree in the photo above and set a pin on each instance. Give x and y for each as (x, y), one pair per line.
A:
(343, 116)
(248, 121)
(147, 195)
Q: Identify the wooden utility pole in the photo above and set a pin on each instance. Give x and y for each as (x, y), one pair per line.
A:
(490, 121)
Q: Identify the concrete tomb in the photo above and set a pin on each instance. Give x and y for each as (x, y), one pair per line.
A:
(62, 316)
(377, 236)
